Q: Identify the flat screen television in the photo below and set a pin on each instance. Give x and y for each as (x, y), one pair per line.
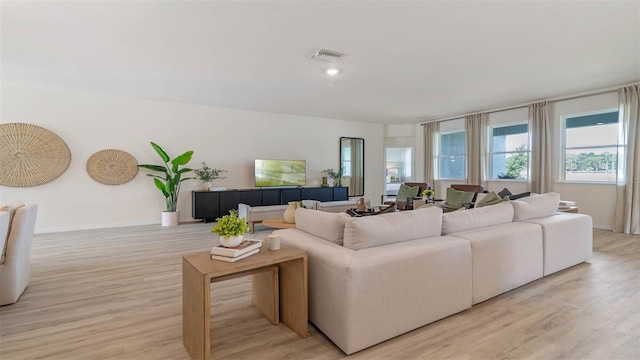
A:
(280, 173)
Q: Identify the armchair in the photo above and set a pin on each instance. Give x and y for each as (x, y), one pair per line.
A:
(14, 265)
(470, 200)
(401, 204)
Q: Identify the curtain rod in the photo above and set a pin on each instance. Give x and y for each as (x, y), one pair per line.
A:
(554, 99)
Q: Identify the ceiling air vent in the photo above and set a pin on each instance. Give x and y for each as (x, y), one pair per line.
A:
(327, 55)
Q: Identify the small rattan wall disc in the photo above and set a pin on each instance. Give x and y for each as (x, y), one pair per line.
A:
(31, 155)
(112, 167)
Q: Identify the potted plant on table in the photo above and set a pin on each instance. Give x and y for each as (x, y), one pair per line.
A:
(336, 176)
(208, 175)
(169, 181)
(231, 228)
(428, 193)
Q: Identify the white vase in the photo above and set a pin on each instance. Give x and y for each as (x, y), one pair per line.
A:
(290, 213)
(170, 218)
(231, 241)
(207, 185)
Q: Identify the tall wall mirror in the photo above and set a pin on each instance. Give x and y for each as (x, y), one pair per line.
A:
(352, 160)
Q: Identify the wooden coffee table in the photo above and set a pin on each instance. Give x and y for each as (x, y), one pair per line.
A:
(278, 223)
(279, 291)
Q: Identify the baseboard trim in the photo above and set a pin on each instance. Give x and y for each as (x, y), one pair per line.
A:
(103, 226)
(603, 227)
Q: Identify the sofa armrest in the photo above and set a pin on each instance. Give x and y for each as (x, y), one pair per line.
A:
(327, 269)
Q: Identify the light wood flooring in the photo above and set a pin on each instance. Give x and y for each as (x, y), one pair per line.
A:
(116, 294)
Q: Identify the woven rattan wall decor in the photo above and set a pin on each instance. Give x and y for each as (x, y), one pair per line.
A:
(31, 155)
(112, 167)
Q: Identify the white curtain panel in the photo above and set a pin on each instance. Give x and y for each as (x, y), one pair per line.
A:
(431, 132)
(539, 123)
(627, 214)
(476, 138)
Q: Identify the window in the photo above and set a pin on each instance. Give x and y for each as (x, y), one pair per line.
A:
(510, 152)
(452, 156)
(399, 168)
(590, 147)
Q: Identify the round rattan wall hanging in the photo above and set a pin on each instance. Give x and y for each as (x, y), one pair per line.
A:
(112, 167)
(31, 155)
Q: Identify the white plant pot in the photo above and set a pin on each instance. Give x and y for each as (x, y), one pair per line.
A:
(231, 241)
(170, 218)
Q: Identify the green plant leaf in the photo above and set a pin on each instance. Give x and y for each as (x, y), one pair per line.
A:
(158, 168)
(183, 159)
(182, 171)
(160, 185)
(160, 152)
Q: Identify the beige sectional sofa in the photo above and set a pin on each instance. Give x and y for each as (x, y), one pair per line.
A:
(376, 277)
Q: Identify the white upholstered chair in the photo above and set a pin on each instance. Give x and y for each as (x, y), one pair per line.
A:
(14, 264)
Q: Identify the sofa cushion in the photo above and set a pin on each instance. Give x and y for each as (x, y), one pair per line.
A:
(325, 225)
(489, 199)
(407, 191)
(457, 221)
(370, 231)
(457, 199)
(536, 206)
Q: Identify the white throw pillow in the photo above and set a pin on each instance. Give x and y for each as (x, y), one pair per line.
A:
(325, 225)
(535, 206)
(462, 220)
(376, 230)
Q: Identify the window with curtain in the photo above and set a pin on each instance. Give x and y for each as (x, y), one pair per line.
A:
(590, 147)
(452, 156)
(510, 152)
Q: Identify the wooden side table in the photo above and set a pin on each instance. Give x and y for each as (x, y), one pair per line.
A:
(279, 291)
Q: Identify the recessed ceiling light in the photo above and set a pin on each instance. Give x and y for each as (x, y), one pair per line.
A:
(332, 71)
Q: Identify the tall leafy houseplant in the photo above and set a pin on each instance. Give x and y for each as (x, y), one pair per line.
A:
(171, 175)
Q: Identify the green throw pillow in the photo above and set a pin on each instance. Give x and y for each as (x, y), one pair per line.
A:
(491, 199)
(457, 199)
(407, 192)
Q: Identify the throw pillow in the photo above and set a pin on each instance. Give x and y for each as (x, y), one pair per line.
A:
(491, 199)
(457, 199)
(518, 196)
(406, 191)
(504, 192)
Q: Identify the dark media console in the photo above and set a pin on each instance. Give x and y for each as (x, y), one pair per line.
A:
(210, 205)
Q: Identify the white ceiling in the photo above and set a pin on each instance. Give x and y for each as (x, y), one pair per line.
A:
(406, 61)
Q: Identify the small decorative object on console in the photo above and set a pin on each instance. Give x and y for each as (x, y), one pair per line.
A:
(336, 176)
(208, 175)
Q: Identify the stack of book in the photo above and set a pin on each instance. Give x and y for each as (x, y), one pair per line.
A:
(565, 204)
(233, 254)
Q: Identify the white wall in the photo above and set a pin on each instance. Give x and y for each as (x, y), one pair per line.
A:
(224, 138)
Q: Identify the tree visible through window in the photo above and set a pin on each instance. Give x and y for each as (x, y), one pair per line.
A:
(591, 147)
(510, 152)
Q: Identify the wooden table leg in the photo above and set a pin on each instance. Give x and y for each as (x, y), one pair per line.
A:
(264, 293)
(294, 295)
(196, 312)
